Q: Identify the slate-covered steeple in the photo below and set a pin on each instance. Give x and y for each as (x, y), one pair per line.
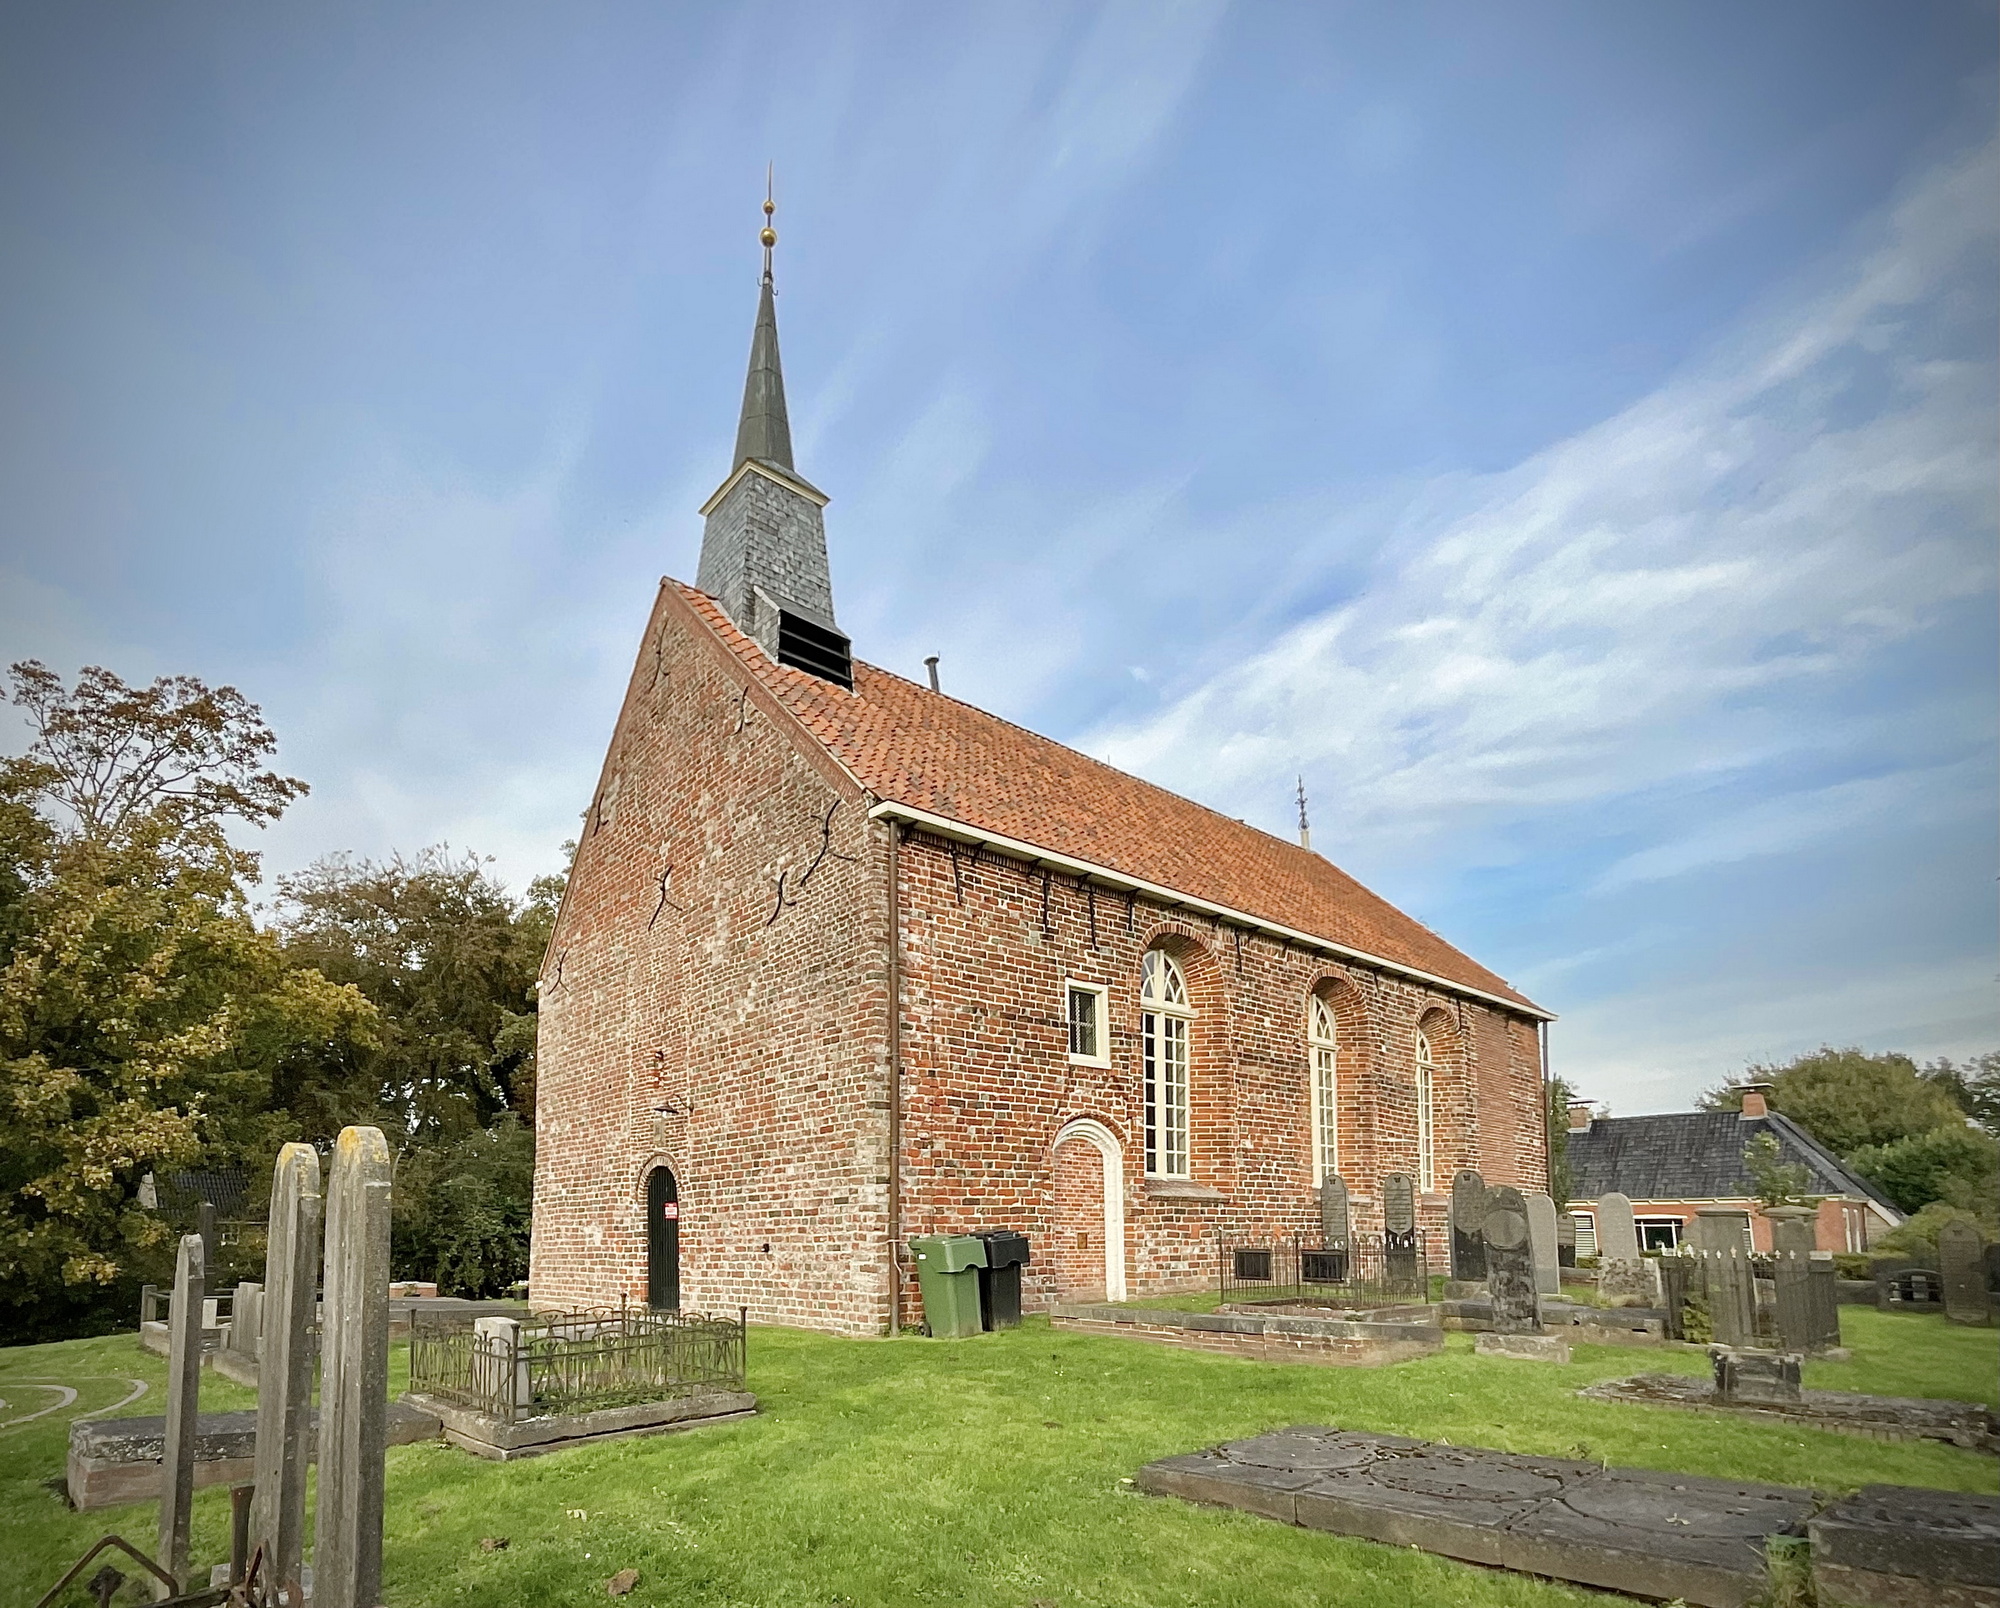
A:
(764, 432)
(763, 550)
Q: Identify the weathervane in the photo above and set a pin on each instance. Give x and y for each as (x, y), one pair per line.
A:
(1305, 827)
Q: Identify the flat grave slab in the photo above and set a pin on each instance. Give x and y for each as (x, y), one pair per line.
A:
(1893, 1546)
(1889, 1418)
(1620, 1529)
(501, 1441)
(114, 1460)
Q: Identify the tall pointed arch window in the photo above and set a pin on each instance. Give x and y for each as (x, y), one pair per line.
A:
(1323, 1052)
(1426, 1064)
(1164, 1017)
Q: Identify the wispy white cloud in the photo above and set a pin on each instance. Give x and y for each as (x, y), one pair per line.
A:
(1647, 601)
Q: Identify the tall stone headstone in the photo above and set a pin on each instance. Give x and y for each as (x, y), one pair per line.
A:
(1333, 1213)
(1542, 1242)
(354, 1375)
(1510, 1263)
(1719, 1228)
(1468, 1226)
(1399, 1234)
(1621, 1274)
(1793, 1228)
(205, 1227)
(246, 1317)
(284, 1379)
(1617, 1233)
(183, 1409)
(1962, 1266)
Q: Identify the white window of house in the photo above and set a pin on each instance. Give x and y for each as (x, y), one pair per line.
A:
(1164, 1015)
(1658, 1233)
(1323, 1052)
(1586, 1232)
(1089, 1038)
(1857, 1227)
(1426, 1061)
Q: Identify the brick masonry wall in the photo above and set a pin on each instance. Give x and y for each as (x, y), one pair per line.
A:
(680, 977)
(1830, 1227)
(677, 977)
(988, 1083)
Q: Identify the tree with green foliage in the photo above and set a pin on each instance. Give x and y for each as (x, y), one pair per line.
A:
(1973, 1084)
(1917, 1134)
(1847, 1098)
(1773, 1180)
(1561, 1179)
(1958, 1165)
(144, 1017)
(449, 959)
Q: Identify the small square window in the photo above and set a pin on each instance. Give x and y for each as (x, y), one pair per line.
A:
(1086, 1024)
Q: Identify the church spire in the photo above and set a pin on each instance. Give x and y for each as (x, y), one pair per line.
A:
(764, 432)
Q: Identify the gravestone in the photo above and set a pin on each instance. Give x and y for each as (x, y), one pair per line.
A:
(1542, 1242)
(205, 1227)
(1333, 1216)
(1793, 1228)
(1617, 1233)
(1565, 1240)
(1719, 1228)
(1510, 1263)
(1912, 1547)
(1755, 1378)
(1399, 1233)
(183, 1409)
(1468, 1221)
(1962, 1266)
(284, 1381)
(1621, 1274)
(246, 1317)
(354, 1375)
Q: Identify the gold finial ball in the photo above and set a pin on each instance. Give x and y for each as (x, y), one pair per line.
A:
(770, 206)
(769, 236)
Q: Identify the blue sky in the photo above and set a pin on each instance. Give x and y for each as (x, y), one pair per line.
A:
(1566, 434)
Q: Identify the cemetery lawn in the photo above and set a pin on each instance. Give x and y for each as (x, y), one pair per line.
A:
(989, 1472)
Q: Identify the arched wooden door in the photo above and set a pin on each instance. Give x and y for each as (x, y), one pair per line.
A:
(663, 1241)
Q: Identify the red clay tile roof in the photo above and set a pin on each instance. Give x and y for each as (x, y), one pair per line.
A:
(917, 747)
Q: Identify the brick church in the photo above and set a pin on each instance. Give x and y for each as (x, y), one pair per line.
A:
(844, 960)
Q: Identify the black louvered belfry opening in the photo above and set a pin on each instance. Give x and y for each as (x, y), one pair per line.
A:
(814, 649)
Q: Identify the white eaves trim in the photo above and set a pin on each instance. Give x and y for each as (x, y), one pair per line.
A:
(944, 826)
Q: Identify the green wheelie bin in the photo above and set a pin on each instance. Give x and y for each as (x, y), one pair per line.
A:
(948, 1274)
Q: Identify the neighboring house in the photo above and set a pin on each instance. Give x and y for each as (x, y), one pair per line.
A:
(1672, 1166)
(844, 961)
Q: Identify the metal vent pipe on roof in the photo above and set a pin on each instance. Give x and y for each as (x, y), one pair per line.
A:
(931, 665)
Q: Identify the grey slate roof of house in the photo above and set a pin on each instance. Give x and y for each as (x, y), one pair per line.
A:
(1698, 1155)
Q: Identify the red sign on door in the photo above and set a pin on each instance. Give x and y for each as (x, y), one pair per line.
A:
(670, 1212)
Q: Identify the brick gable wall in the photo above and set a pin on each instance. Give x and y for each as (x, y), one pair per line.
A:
(765, 1027)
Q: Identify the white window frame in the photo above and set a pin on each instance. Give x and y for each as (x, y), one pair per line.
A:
(1323, 1074)
(1677, 1224)
(1101, 1018)
(1857, 1228)
(1586, 1232)
(1426, 1129)
(1166, 1022)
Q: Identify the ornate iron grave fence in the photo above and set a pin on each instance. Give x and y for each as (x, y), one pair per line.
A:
(1361, 1270)
(575, 1362)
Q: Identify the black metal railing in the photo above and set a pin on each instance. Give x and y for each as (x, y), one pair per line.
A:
(1364, 1269)
(575, 1362)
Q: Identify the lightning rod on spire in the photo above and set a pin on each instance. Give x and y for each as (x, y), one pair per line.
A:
(1305, 827)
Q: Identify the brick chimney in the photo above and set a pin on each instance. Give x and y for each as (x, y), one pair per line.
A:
(1754, 1103)
(1579, 1116)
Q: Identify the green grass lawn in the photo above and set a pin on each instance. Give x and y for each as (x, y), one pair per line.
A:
(989, 1472)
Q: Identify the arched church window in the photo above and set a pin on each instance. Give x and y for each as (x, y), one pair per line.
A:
(1164, 1015)
(1322, 1052)
(1426, 1064)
